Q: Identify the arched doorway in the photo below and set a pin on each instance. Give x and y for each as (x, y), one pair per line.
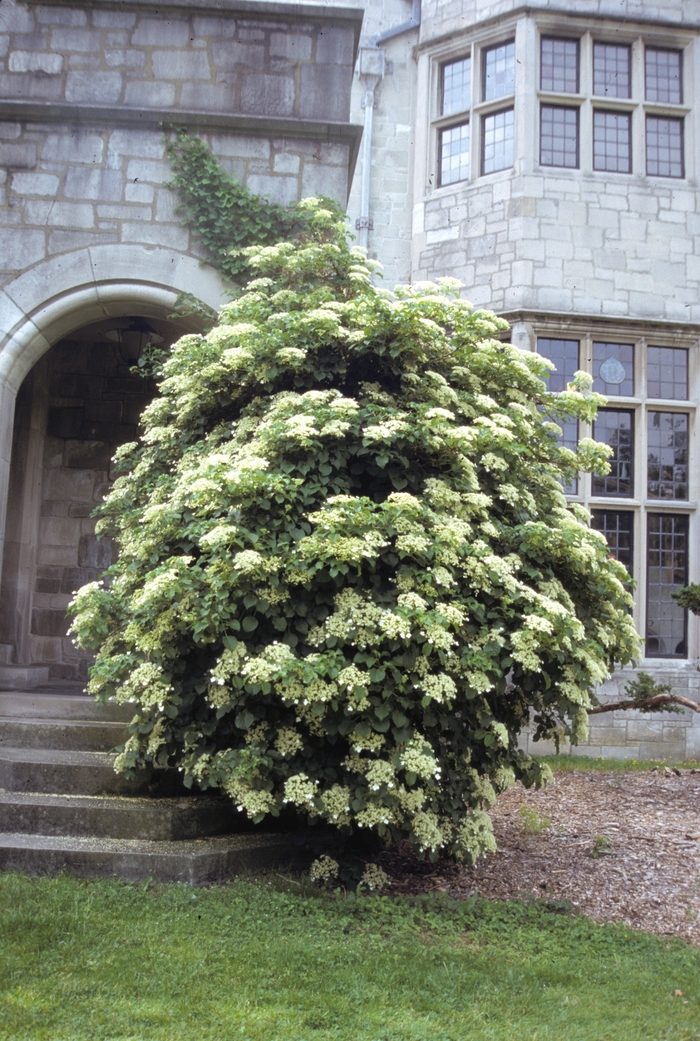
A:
(77, 405)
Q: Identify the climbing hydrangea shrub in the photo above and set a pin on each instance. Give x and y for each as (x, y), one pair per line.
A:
(347, 572)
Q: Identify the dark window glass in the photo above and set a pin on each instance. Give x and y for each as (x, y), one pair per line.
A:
(618, 528)
(497, 141)
(569, 439)
(616, 428)
(559, 65)
(613, 369)
(564, 354)
(667, 455)
(559, 136)
(611, 70)
(456, 86)
(663, 76)
(454, 154)
(499, 70)
(667, 373)
(664, 147)
(667, 571)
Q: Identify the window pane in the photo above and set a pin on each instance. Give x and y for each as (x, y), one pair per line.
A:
(456, 86)
(667, 373)
(667, 455)
(667, 571)
(613, 369)
(564, 354)
(611, 70)
(499, 70)
(454, 154)
(569, 439)
(559, 136)
(618, 528)
(559, 65)
(498, 141)
(612, 146)
(617, 430)
(664, 146)
(663, 76)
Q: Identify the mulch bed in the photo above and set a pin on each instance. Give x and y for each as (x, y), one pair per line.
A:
(620, 847)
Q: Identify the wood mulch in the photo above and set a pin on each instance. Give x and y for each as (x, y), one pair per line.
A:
(620, 847)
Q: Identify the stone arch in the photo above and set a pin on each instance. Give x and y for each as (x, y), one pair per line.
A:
(57, 297)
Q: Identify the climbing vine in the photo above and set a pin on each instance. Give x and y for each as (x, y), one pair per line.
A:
(226, 215)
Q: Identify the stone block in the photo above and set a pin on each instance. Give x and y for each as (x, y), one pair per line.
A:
(286, 163)
(207, 97)
(69, 39)
(161, 32)
(66, 241)
(226, 55)
(149, 93)
(47, 585)
(10, 131)
(19, 156)
(70, 484)
(71, 215)
(64, 422)
(335, 45)
(86, 455)
(18, 19)
(145, 144)
(325, 180)
(113, 19)
(103, 411)
(100, 88)
(125, 59)
(170, 235)
(148, 170)
(95, 553)
(80, 509)
(180, 65)
(58, 531)
(268, 95)
(75, 577)
(277, 189)
(294, 46)
(139, 193)
(320, 97)
(241, 147)
(75, 146)
(217, 28)
(133, 212)
(62, 556)
(644, 730)
(83, 182)
(35, 61)
(34, 184)
(20, 247)
(49, 623)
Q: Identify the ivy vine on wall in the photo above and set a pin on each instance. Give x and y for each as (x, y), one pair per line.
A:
(225, 214)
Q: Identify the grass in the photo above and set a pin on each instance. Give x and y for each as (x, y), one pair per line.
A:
(566, 763)
(103, 961)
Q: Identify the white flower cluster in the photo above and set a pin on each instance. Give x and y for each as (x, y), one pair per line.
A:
(372, 742)
(288, 741)
(336, 804)
(253, 800)
(441, 687)
(374, 877)
(380, 772)
(300, 790)
(417, 757)
(324, 869)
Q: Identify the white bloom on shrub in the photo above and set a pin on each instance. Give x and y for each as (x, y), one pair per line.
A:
(325, 869)
(300, 790)
(374, 877)
(288, 741)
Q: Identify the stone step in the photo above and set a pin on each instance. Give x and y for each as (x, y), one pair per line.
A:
(66, 734)
(46, 704)
(65, 773)
(6, 650)
(14, 677)
(117, 817)
(198, 861)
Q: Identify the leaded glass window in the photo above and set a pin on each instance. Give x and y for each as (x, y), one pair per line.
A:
(613, 369)
(559, 136)
(616, 428)
(667, 373)
(499, 70)
(611, 70)
(664, 146)
(456, 86)
(497, 134)
(565, 356)
(667, 572)
(454, 154)
(667, 455)
(618, 528)
(612, 141)
(663, 76)
(559, 65)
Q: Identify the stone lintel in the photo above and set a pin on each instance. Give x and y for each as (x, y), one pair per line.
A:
(683, 332)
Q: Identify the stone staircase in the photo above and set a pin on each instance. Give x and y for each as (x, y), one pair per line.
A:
(63, 808)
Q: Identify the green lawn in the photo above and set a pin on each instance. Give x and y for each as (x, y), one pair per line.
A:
(566, 763)
(277, 962)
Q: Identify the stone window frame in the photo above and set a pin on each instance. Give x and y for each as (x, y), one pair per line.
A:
(473, 47)
(639, 504)
(636, 106)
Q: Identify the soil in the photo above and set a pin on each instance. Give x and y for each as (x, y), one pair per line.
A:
(619, 847)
